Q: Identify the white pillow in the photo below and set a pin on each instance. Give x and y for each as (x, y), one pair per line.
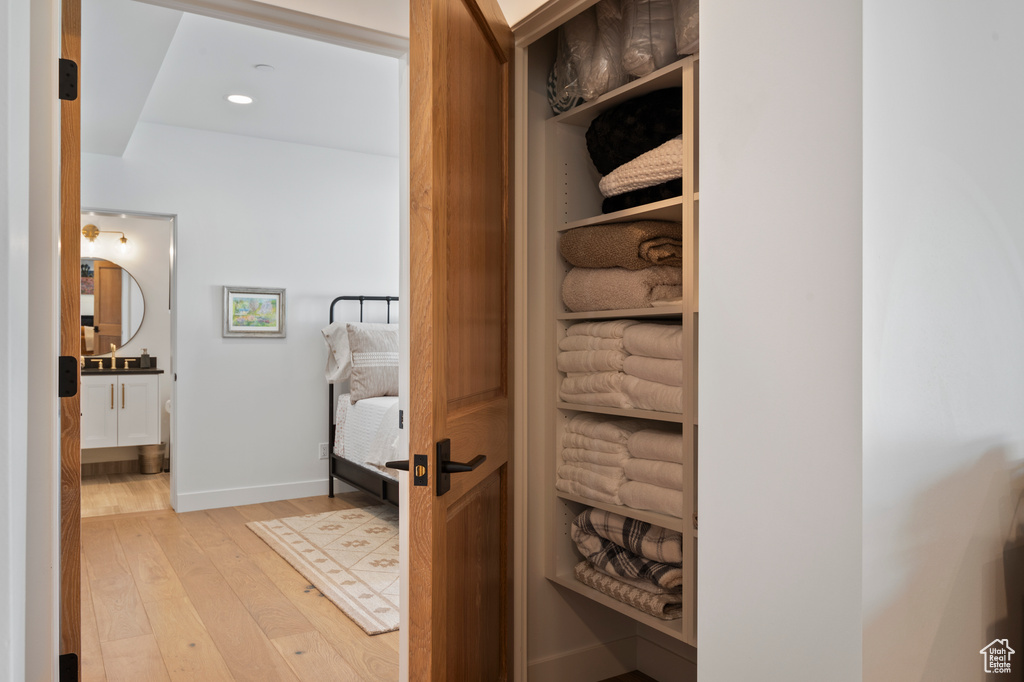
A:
(374, 351)
(339, 359)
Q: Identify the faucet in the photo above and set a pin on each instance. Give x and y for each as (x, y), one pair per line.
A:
(113, 356)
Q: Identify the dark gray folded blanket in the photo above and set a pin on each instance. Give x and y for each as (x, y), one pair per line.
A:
(625, 132)
(645, 195)
(633, 246)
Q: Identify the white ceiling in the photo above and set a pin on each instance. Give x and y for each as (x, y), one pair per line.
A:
(142, 63)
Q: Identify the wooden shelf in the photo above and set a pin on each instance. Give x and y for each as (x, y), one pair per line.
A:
(660, 311)
(620, 412)
(672, 628)
(666, 77)
(661, 520)
(666, 209)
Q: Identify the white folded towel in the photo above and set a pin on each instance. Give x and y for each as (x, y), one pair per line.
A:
(594, 382)
(662, 445)
(662, 371)
(597, 399)
(578, 440)
(587, 342)
(582, 490)
(590, 360)
(611, 329)
(664, 474)
(604, 428)
(649, 395)
(655, 498)
(655, 340)
(607, 459)
(596, 481)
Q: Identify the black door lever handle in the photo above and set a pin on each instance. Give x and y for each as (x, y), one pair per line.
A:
(450, 467)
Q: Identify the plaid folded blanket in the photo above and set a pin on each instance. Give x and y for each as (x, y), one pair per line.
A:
(617, 560)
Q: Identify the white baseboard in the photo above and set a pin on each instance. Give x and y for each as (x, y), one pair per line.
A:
(586, 665)
(233, 497)
(654, 660)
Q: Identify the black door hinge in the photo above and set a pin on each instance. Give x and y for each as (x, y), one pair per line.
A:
(401, 419)
(67, 668)
(67, 376)
(67, 80)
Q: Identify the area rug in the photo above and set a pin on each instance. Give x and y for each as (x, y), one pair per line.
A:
(350, 555)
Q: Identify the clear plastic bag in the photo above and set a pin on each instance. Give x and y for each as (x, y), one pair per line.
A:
(687, 21)
(648, 35)
(575, 46)
(604, 71)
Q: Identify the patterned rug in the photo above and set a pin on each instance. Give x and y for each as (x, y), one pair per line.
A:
(350, 555)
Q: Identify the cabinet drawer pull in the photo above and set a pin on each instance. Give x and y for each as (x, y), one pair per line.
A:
(122, 396)
(111, 396)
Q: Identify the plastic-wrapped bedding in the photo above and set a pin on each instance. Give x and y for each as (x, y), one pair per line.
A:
(636, 126)
(604, 71)
(687, 22)
(575, 43)
(648, 35)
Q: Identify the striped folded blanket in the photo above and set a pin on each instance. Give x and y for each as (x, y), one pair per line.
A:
(667, 606)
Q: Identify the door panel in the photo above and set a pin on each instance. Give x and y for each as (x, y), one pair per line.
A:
(460, 52)
(107, 312)
(99, 412)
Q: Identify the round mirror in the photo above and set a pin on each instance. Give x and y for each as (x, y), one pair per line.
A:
(112, 306)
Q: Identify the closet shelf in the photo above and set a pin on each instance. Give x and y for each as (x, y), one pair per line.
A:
(666, 209)
(654, 518)
(661, 311)
(672, 628)
(666, 77)
(620, 412)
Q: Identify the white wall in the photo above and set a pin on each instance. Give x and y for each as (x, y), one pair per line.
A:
(148, 261)
(780, 341)
(943, 336)
(251, 212)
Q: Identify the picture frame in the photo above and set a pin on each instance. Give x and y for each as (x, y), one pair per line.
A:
(254, 312)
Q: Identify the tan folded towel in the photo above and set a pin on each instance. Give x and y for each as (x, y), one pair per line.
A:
(668, 372)
(633, 246)
(577, 488)
(661, 445)
(595, 382)
(578, 440)
(650, 395)
(608, 459)
(588, 289)
(655, 498)
(608, 485)
(590, 360)
(611, 429)
(655, 340)
(610, 329)
(663, 606)
(578, 343)
(664, 474)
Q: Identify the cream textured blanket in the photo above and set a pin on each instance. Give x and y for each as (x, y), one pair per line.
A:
(665, 606)
(661, 164)
(589, 289)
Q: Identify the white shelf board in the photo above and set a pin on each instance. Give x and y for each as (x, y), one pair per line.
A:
(661, 311)
(666, 77)
(620, 412)
(666, 209)
(654, 518)
(672, 628)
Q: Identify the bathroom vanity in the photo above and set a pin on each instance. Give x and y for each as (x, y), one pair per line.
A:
(120, 407)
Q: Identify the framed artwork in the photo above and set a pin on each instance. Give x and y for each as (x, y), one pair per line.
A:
(253, 312)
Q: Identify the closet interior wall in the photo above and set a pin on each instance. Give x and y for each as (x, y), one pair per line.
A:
(572, 633)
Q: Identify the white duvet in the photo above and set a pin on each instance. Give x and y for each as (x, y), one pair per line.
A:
(367, 433)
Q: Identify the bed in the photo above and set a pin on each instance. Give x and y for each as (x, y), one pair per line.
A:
(363, 432)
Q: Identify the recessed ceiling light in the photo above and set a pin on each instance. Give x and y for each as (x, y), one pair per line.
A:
(263, 67)
(240, 99)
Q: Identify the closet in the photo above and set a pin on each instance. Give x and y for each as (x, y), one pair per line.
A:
(575, 633)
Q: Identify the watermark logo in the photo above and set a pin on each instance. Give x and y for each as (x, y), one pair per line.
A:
(997, 656)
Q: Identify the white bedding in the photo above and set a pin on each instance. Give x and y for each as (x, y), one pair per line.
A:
(367, 433)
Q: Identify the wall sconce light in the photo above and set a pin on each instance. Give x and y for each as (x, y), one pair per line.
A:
(90, 232)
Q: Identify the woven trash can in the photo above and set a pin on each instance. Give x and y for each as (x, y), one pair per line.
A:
(151, 458)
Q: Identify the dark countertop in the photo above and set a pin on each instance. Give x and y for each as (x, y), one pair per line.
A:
(86, 371)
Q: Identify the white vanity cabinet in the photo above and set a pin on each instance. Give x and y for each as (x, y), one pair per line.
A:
(120, 409)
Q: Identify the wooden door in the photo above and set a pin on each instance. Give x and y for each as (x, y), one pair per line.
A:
(70, 345)
(460, 330)
(107, 279)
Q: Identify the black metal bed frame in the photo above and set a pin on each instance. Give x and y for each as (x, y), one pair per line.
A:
(339, 467)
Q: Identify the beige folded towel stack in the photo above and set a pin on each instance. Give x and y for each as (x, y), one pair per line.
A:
(590, 289)
(593, 453)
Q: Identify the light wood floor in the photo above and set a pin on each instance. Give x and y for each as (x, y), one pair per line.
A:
(106, 494)
(198, 596)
